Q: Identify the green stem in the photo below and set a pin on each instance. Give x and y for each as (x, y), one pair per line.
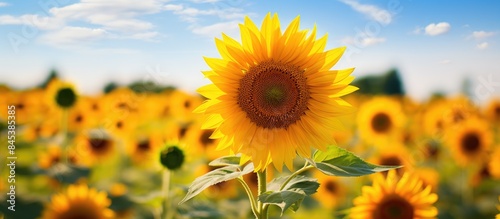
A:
(167, 212)
(261, 176)
(296, 173)
(64, 132)
(253, 205)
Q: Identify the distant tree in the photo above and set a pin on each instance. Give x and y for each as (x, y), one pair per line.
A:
(389, 83)
(148, 86)
(392, 84)
(109, 87)
(52, 74)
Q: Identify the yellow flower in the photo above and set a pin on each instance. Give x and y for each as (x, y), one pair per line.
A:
(274, 95)
(395, 198)
(331, 191)
(380, 120)
(79, 201)
(61, 94)
(394, 156)
(94, 146)
(492, 111)
(144, 148)
(494, 165)
(181, 105)
(470, 141)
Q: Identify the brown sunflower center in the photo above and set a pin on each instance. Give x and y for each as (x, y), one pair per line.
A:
(381, 122)
(144, 145)
(497, 112)
(331, 187)
(205, 139)
(273, 94)
(471, 142)
(79, 212)
(187, 104)
(393, 207)
(99, 145)
(78, 118)
(391, 161)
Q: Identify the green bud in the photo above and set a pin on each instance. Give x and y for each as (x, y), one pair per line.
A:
(65, 97)
(172, 157)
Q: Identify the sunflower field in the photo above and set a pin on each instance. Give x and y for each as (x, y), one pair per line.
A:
(286, 137)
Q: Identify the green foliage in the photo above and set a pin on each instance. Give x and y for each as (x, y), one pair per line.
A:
(336, 161)
(292, 194)
(225, 161)
(216, 176)
(389, 83)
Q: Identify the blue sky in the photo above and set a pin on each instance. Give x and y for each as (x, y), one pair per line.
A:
(434, 44)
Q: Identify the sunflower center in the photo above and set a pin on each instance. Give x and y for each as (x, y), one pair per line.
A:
(99, 145)
(144, 145)
(497, 112)
(331, 187)
(391, 161)
(80, 212)
(471, 142)
(273, 94)
(205, 138)
(79, 118)
(393, 207)
(381, 122)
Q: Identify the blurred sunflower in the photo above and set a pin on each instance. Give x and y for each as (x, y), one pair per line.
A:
(458, 110)
(395, 198)
(202, 145)
(394, 156)
(94, 146)
(181, 105)
(470, 141)
(380, 120)
(29, 105)
(331, 191)
(61, 94)
(274, 95)
(492, 110)
(41, 130)
(143, 148)
(494, 165)
(79, 201)
(433, 118)
(429, 177)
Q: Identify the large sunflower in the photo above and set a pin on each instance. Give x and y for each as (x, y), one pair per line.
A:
(79, 201)
(395, 198)
(274, 95)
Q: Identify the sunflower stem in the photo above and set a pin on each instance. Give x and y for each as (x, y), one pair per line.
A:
(166, 212)
(253, 205)
(296, 173)
(261, 177)
(64, 133)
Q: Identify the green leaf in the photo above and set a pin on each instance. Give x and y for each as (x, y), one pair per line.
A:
(336, 161)
(216, 176)
(284, 199)
(307, 184)
(225, 161)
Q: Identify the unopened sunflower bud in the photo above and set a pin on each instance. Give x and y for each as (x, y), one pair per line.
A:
(172, 157)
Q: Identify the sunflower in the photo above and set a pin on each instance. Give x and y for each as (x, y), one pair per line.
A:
(470, 141)
(94, 145)
(395, 198)
(494, 165)
(199, 140)
(274, 95)
(29, 105)
(429, 177)
(182, 104)
(380, 120)
(143, 148)
(492, 110)
(331, 191)
(394, 156)
(433, 121)
(79, 201)
(61, 94)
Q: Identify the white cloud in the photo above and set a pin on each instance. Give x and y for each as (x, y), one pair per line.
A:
(173, 7)
(229, 28)
(3, 4)
(73, 35)
(437, 29)
(373, 12)
(481, 34)
(40, 22)
(205, 1)
(482, 45)
(363, 41)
